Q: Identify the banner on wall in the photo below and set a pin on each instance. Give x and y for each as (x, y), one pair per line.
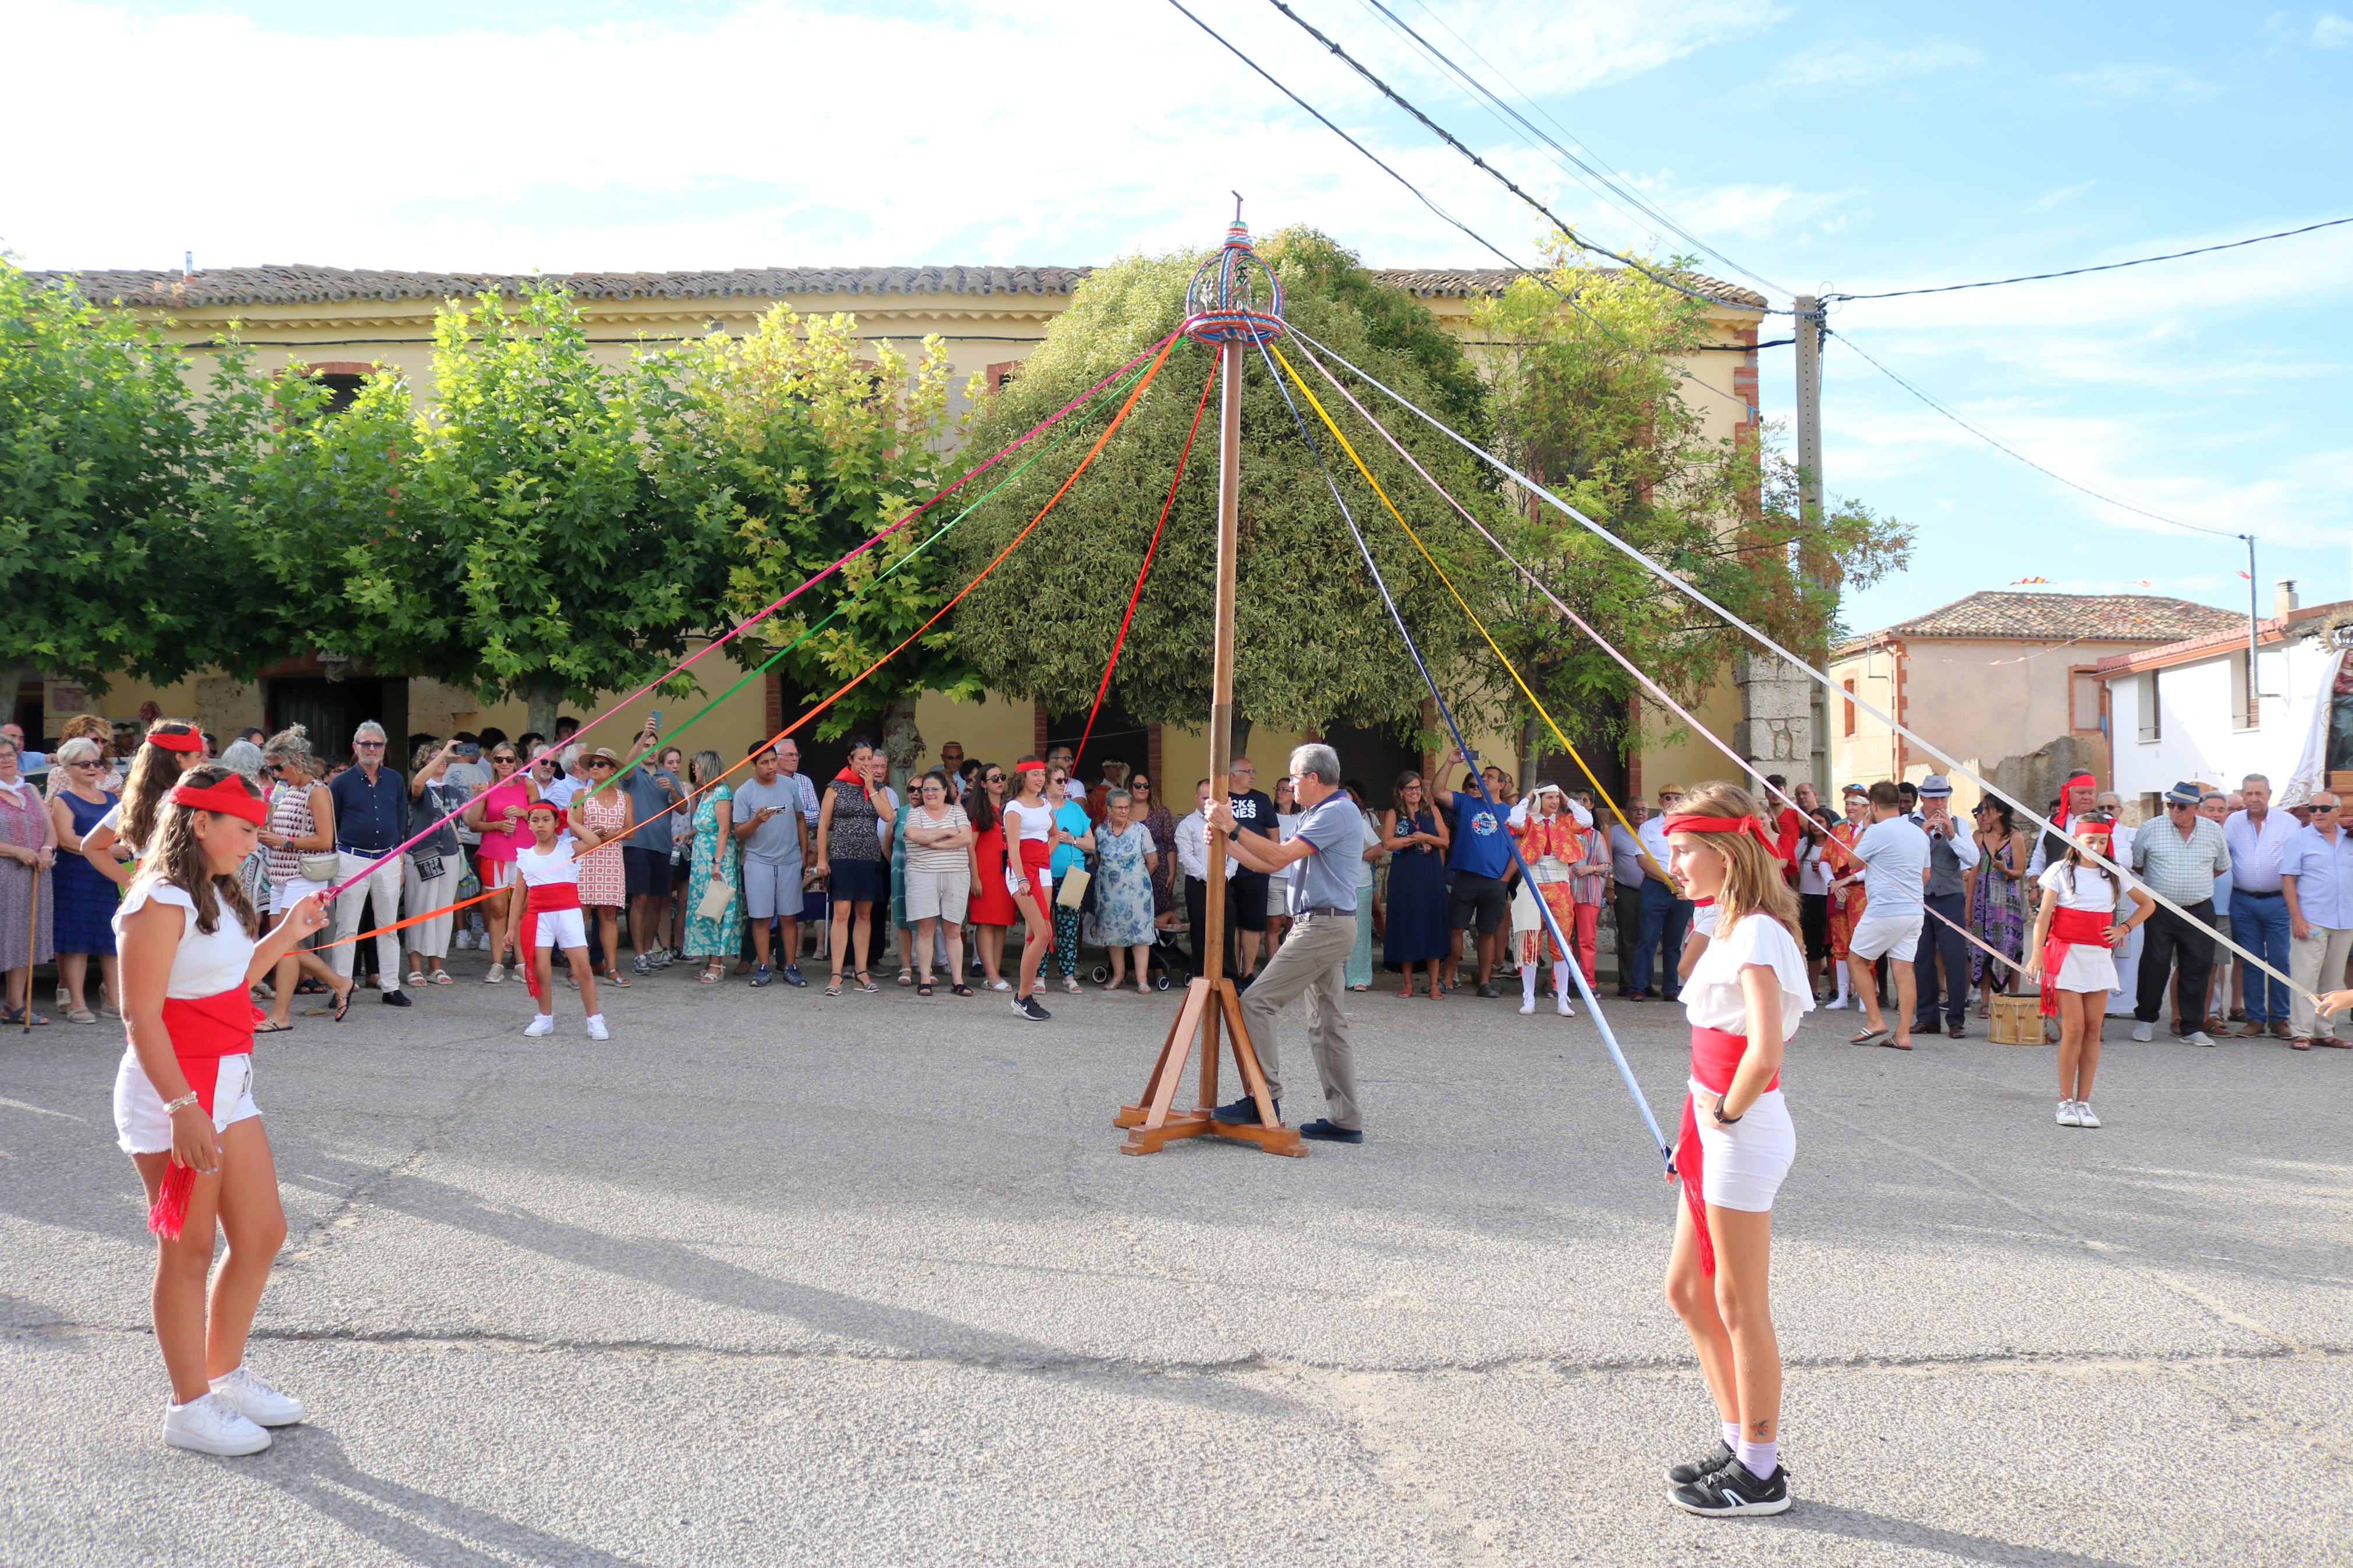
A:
(62, 699)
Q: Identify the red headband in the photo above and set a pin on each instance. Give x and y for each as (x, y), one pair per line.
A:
(562, 818)
(2066, 803)
(1681, 822)
(228, 794)
(1030, 767)
(176, 740)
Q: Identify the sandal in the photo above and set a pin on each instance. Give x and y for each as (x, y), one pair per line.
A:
(268, 1026)
(959, 989)
(613, 977)
(923, 988)
(906, 978)
(81, 1016)
(416, 977)
(342, 1004)
(712, 972)
(833, 987)
(866, 982)
(441, 977)
(1868, 1036)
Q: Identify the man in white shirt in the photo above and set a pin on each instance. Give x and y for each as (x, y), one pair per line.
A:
(570, 781)
(2256, 834)
(1894, 855)
(1193, 856)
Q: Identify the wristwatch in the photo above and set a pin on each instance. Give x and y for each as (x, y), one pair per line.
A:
(1722, 1119)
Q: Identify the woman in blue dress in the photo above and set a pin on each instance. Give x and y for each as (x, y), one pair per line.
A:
(1126, 859)
(86, 899)
(1416, 838)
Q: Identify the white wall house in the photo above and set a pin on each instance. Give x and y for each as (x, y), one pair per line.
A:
(2181, 710)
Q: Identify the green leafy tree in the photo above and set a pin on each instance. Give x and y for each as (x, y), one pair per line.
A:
(1593, 403)
(797, 444)
(104, 565)
(1313, 644)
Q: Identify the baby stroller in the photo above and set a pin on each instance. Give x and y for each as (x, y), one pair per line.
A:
(1165, 963)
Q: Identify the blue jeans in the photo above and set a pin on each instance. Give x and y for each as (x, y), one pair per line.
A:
(1665, 919)
(2258, 923)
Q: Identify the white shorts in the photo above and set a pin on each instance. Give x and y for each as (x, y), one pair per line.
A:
(1741, 1166)
(1889, 936)
(283, 895)
(938, 894)
(559, 928)
(141, 1125)
(494, 874)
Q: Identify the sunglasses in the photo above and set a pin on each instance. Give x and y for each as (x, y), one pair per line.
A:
(507, 757)
(367, 745)
(599, 763)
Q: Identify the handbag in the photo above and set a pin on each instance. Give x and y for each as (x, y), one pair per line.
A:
(324, 867)
(1073, 891)
(715, 898)
(429, 867)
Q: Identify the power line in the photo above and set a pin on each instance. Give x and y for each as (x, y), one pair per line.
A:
(1602, 180)
(2013, 452)
(1753, 412)
(1435, 129)
(2104, 267)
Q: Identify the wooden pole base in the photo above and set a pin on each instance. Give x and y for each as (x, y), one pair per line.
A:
(1153, 1122)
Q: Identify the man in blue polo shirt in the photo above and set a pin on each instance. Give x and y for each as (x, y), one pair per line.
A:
(1481, 854)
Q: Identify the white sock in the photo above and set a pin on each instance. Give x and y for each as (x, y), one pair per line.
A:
(1732, 1435)
(1761, 1459)
(1528, 984)
(1842, 977)
(1561, 983)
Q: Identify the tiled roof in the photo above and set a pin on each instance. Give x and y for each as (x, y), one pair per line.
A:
(2066, 617)
(302, 284)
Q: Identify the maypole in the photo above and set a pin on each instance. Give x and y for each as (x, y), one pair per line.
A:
(1234, 301)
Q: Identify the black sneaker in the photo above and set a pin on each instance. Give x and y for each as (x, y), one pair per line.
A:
(1243, 1113)
(1487, 990)
(1327, 1131)
(1683, 1475)
(1026, 1006)
(1730, 1491)
(395, 999)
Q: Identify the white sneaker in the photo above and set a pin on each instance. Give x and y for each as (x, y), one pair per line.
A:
(2144, 1033)
(2198, 1037)
(2085, 1115)
(257, 1400)
(596, 1030)
(1527, 1007)
(1834, 1007)
(540, 1024)
(2068, 1115)
(211, 1424)
(1565, 1009)
(498, 973)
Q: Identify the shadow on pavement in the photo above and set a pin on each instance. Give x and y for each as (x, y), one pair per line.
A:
(1853, 1524)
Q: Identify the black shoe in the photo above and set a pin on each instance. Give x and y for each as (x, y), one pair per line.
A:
(1730, 1491)
(1324, 1130)
(1683, 1475)
(1028, 1007)
(1487, 990)
(1243, 1113)
(395, 999)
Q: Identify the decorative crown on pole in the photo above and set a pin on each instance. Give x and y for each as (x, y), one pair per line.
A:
(1235, 297)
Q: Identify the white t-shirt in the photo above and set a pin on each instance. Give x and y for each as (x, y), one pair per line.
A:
(1365, 867)
(1712, 997)
(203, 966)
(540, 871)
(1286, 827)
(1703, 919)
(1894, 852)
(2080, 887)
(1814, 870)
(1030, 821)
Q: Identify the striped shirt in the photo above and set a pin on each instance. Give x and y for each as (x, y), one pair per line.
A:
(2182, 869)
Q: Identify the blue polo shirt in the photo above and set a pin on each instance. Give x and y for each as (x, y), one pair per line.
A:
(2322, 865)
(370, 818)
(1483, 845)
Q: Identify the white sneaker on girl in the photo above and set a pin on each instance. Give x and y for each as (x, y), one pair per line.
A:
(211, 1424)
(540, 1024)
(596, 1030)
(257, 1400)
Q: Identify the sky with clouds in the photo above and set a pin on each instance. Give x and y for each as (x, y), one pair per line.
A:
(1825, 147)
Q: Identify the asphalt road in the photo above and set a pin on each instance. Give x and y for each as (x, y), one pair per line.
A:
(773, 1278)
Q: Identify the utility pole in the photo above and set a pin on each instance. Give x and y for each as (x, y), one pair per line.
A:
(1807, 329)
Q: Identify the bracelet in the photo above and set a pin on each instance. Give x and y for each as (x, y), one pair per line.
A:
(1722, 1119)
(185, 1101)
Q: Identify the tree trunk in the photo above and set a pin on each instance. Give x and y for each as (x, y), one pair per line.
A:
(902, 741)
(540, 703)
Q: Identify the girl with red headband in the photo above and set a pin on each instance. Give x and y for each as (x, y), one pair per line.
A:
(1029, 874)
(172, 747)
(184, 1107)
(2074, 956)
(549, 870)
(1743, 997)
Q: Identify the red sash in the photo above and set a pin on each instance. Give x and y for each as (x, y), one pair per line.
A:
(1715, 1056)
(202, 1031)
(2069, 928)
(540, 896)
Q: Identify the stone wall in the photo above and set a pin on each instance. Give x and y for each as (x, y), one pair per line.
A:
(1776, 730)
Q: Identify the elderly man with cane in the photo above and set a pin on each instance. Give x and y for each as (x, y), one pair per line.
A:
(1322, 894)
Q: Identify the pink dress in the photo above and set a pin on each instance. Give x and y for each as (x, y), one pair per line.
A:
(603, 885)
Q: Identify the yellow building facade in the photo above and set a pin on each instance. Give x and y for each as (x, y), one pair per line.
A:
(343, 323)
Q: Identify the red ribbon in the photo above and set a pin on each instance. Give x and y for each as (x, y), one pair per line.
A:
(231, 795)
(2069, 928)
(1715, 1057)
(203, 1030)
(539, 896)
(1683, 822)
(178, 740)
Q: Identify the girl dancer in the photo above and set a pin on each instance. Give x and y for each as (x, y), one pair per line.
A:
(1743, 998)
(2074, 956)
(184, 1104)
(1028, 858)
(550, 873)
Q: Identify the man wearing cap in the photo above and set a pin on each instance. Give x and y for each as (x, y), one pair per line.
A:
(2316, 882)
(1951, 855)
(2180, 858)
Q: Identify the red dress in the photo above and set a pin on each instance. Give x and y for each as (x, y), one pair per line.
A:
(991, 904)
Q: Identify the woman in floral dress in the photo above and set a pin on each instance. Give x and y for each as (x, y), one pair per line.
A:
(603, 881)
(1126, 859)
(714, 939)
(1997, 899)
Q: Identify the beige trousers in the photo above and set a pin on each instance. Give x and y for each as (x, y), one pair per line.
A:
(2319, 964)
(1310, 960)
